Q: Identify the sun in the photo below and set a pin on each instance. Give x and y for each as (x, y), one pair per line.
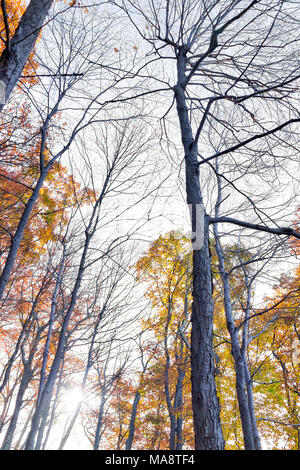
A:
(71, 398)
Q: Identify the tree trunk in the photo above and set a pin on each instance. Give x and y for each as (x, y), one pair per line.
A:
(130, 438)
(178, 403)
(17, 238)
(68, 431)
(256, 436)
(206, 409)
(19, 47)
(100, 421)
(240, 380)
(54, 406)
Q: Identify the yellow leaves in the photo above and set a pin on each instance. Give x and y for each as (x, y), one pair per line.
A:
(46, 155)
(296, 352)
(116, 49)
(71, 4)
(135, 48)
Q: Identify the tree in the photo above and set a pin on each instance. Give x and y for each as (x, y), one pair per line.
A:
(277, 376)
(59, 88)
(166, 270)
(93, 125)
(217, 55)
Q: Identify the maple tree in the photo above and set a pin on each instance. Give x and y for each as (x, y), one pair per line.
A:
(166, 269)
(278, 374)
(19, 171)
(161, 269)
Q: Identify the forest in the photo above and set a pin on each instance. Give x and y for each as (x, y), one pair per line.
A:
(150, 225)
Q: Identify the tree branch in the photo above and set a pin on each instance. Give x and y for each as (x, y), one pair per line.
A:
(263, 228)
(248, 141)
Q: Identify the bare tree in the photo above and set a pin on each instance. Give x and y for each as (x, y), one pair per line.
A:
(222, 58)
(59, 92)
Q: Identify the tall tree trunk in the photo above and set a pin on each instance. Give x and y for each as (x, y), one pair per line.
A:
(50, 326)
(206, 409)
(249, 383)
(257, 441)
(68, 431)
(18, 445)
(172, 416)
(54, 406)
(26, 377)
(17, 238)
(24, 331)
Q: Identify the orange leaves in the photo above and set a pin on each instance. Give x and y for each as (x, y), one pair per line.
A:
(19, 171)
(78, 4)
(134, 47)
(14, 9)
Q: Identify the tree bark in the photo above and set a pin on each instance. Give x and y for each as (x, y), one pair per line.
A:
(19, 47)
(256, 436)
(206, 409)
(134, 409)
(178, 403)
